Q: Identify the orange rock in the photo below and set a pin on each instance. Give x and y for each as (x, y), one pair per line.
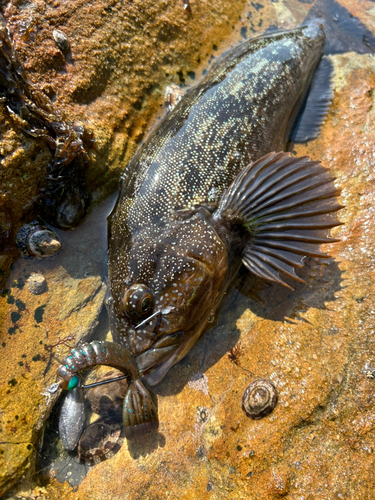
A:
(315, 344)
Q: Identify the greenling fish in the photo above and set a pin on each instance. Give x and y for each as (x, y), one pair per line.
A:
(192, 209)
(204, 195)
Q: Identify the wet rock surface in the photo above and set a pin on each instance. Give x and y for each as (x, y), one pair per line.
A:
(316, 345)
(38, 329)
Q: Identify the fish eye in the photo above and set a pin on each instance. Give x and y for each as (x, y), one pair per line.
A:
(146, 305)
(138, 301)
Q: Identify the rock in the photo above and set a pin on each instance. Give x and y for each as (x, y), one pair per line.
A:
(38, 330)
(315, 344)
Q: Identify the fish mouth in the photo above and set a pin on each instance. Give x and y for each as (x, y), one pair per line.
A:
(170, 349)
(162, 349)
(156, 371)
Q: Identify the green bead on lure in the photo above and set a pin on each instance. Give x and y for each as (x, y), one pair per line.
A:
(73, 383)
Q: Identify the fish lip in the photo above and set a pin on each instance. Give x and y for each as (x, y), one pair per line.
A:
(166, 362)
(159, 351)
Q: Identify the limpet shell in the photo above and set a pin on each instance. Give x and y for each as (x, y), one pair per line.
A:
(100, 440)
(36, 240)
(259, 399)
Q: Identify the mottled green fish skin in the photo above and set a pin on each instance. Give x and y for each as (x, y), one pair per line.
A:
(241, 110)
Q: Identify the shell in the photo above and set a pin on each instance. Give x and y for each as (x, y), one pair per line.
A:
(72, 208)
(61, 40)
(36, 240)
(259, 399)
(101, 440)
(37, 284)
(72, 418)
(106, 400)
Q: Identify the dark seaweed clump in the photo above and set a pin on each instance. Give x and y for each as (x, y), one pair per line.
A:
(62, 197)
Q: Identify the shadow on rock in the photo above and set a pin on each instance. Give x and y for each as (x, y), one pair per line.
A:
(266, 300)
(276, 303)
(146, 444)
(212, 346)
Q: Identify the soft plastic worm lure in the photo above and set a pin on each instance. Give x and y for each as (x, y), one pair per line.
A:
(95, 353)
(139, 410)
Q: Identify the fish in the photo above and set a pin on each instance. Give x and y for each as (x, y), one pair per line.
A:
(191, 209)
(210, 190)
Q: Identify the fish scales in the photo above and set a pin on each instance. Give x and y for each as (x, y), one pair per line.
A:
(240, 111)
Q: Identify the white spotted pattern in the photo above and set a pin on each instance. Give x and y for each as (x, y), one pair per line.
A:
(238, 113)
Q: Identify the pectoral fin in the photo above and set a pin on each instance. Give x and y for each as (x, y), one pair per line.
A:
(287, 206)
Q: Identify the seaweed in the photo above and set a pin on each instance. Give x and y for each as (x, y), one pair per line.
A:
(62, 197)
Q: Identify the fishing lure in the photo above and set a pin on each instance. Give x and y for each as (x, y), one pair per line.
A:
(139, 408)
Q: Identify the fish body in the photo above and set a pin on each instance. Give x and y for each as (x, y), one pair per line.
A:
(172, 249)
(204, 195)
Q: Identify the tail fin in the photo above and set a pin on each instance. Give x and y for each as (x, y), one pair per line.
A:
(344, 32)
(288, 205)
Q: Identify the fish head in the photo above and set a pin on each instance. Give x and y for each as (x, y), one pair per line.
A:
(175, 279)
